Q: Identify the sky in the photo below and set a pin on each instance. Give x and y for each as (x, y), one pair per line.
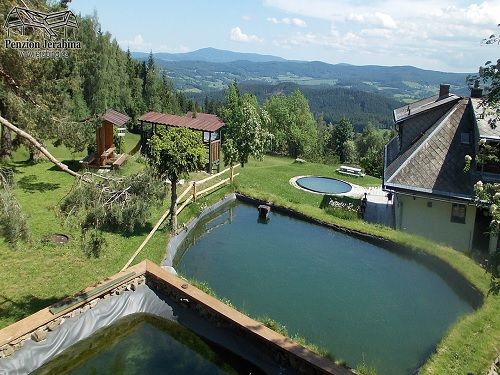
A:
(438, 35)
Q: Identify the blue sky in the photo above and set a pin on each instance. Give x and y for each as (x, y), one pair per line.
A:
(439, 35)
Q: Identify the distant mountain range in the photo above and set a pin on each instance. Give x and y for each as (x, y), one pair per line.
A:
(209, 55)
(376, 90)
(211, 69)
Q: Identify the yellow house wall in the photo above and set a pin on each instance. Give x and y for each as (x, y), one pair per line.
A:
(434, 223)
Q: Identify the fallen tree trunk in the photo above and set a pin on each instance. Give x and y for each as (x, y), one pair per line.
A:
(39, 147)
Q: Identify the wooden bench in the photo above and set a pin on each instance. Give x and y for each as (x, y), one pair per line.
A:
(351, 171)
(106, 154)
(121, 160)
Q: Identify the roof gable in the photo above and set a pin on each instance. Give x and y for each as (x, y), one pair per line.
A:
(202, 121)
(434, 164)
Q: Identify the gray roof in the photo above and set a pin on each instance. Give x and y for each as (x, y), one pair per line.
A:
(413, 109)
(434, 163)
(483, 117)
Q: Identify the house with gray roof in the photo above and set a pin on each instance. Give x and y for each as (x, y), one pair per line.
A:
(424, 169)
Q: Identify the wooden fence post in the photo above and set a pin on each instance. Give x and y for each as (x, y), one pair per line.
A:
(231, 174)
(194, 191)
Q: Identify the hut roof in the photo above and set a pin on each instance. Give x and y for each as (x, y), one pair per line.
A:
(114, 117)
(202, 121)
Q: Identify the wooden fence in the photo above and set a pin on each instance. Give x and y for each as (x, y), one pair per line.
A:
(195, 194)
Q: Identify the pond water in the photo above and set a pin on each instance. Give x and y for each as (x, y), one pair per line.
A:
(324, 185)
(145, 344)
(359, 301)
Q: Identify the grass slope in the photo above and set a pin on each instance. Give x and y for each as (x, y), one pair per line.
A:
(38, 273)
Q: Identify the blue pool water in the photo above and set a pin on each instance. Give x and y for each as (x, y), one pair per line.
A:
(359, 301)
(325, 185)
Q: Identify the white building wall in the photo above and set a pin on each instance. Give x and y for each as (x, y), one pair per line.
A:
(431, 219)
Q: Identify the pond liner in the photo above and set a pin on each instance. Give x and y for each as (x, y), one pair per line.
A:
(455, 280)
(109, 310)
(178, 239)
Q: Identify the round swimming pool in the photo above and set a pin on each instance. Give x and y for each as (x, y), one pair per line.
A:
(323, 185)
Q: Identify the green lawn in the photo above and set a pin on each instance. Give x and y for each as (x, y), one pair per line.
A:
(38, 274)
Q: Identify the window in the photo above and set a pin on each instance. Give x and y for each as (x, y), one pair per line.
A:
(465, 138)
(458, 213)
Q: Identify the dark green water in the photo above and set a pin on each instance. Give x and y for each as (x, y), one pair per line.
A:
(357, 300)
(145, 344)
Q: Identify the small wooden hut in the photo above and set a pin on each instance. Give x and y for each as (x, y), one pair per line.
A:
(105, 155)
(209, 125)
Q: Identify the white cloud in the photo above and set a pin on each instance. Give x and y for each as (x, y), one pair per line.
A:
(239, 36)
(137, 43)
(288, 21)
(246, 18)
(443, 34)
(299, 22)
(376, 19)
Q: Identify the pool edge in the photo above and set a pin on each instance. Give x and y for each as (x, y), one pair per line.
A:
(287, 351)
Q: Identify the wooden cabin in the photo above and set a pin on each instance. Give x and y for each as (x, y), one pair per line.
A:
(208, 125)
(105, 155)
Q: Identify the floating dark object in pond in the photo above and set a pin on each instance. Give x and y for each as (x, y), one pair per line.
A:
(58, 238)
(264, 211)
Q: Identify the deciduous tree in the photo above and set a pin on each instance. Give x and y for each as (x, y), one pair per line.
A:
(245, 123)
(173, 154)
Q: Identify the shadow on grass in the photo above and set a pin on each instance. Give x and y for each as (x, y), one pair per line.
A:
(126, 233)
(16, 166)
(24, 306)
(74, 165)
(30, 184)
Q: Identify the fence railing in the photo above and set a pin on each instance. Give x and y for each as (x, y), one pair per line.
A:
(193, 189)
(196, 193)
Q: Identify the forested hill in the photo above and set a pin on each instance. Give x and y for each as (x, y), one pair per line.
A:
(336, 102)
(398, 82)
(333, 102)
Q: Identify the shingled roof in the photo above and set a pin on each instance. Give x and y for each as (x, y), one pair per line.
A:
(427, 104)
(114, 117)
(434, 163)
(485, 115)
(202, 121)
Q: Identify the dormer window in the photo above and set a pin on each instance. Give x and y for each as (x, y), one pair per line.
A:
(465, 138)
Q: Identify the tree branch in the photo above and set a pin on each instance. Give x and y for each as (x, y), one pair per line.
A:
(40, 148)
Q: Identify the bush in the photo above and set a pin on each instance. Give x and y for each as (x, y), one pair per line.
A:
(342, 207)
(13, 225)
(121, 205)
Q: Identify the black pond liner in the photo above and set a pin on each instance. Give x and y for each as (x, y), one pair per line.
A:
(143, 300)
(105, 350)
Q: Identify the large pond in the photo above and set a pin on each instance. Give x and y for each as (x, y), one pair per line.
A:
(361, 302)
(145, 344)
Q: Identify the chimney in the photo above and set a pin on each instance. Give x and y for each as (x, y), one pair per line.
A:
(444, 90)
(476, 91)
